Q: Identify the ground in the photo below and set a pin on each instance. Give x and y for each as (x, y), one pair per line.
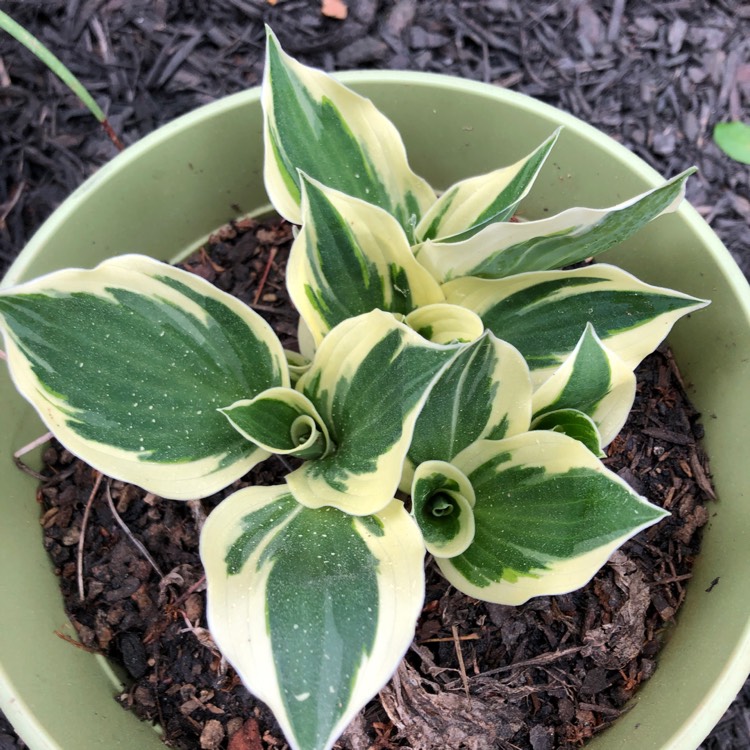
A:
(657, 76)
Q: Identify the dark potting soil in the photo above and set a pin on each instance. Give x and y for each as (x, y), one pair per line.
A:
(549, 674)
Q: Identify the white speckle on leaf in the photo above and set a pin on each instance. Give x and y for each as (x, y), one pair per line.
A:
(302, 697)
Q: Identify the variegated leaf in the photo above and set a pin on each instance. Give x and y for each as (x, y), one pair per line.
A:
(128, 363)
(485, 392)
(306, 342)
(281, 421)
(508, 248)
(315, 124)
(313, 608)
(297, 364)
(351, 257)
(368, 381)
(445, 324)
(594, 380)
(542, 313)
(470, 205)
(442, 503)
(548, 515)
(573, 423)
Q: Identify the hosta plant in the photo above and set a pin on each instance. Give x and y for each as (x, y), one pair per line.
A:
(455, 392)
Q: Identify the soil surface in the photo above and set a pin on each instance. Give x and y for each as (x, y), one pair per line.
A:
(656, 76)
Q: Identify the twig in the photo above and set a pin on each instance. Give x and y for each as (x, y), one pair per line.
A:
(33, 444)
(77, 644)
(46, 481)
(191, 590)
(21, 466)
(82, 536)
(672, 579)
(129, 533)
(267, 308)
(198, 513)
(264, 277)
(202, 635)
(9, 205)
(156, 691)
(459, 654)
(468, 637)
(537, 661)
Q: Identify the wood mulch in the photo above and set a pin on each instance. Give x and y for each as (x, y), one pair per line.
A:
(549, 674)
(656, 76)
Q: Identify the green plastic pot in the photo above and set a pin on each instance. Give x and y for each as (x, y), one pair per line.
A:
(165, 194)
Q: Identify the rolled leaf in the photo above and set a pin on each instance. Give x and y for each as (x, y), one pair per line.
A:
(313, 608)
(508, 248)
(445, 324)
(470, 205)
(485, 392)
(594, 380)
(368, 381)
(572, 423)
(281, 421)
(543, 313)
(315, 124)
(297, 364)
(128, 363)
(351, 257)
(548, 515)
(442, 502)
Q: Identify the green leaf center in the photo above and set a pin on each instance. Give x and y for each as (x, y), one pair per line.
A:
(441, 505)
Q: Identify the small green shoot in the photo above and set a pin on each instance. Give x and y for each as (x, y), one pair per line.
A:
(19, 33)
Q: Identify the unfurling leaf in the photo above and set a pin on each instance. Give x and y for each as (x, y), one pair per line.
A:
(442, 323)
(529, 488)
(593, 380)
(573, 423)
(281, 421)
(368, 382)
(313, 608)
(442, 502)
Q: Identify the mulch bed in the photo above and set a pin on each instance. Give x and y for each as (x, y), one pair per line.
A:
(656, 76)
(549, 674)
